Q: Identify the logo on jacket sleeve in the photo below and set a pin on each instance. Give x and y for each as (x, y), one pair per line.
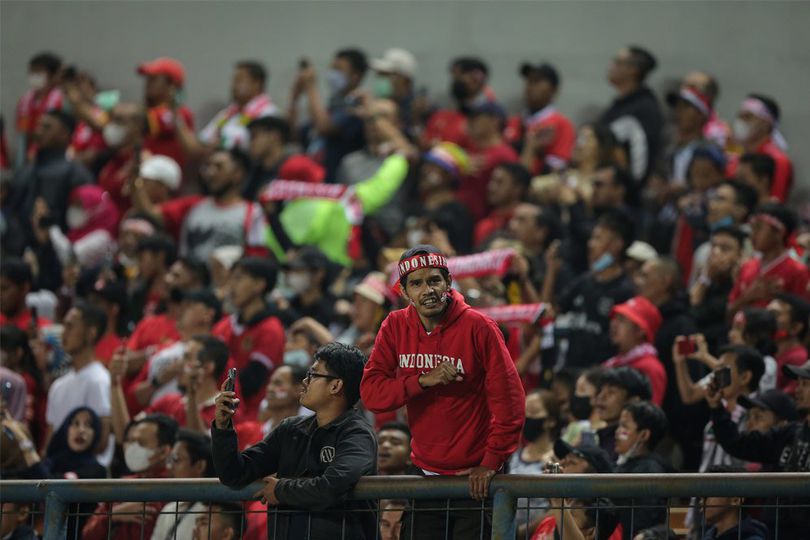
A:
(327, 454)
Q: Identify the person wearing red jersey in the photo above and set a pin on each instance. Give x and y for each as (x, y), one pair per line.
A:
(254, 335)
(43, 95)
(16, 281)
(771, 269)
(756, 129)
(449, 366)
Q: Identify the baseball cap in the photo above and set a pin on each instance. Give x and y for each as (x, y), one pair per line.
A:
(594, 455)
(309, 258)
(641, 251)
(691, 96)
(773, 400)
(642, 313)
(797, 372)
(397, 61)
(162, 169)
(168, 67)
(635, 382)
(542, 71)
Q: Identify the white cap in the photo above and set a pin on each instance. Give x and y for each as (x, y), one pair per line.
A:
(641, 251)
(162, 169)
(397, 61)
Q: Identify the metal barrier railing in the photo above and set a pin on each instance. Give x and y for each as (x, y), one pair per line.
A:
(504, 491)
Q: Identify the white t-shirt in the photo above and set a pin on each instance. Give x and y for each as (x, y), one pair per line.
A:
(185, 519)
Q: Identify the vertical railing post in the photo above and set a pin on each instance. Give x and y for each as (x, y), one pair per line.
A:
(503, 516)
(55, 517)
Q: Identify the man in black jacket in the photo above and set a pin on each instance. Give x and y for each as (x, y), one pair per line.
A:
(786, 446)
(308, 463)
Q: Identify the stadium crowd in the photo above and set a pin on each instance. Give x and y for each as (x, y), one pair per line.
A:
(648, 283)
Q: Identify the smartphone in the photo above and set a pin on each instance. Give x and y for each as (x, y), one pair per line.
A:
(686, 347)
(723, 377)
(230, 383)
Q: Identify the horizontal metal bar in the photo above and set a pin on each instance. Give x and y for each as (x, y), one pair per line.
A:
(416, 487)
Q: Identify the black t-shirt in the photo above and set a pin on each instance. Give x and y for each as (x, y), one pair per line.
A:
(581, 329)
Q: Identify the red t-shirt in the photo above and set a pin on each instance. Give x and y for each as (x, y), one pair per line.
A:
(174, 211)
(495, 221)
(788, 273)
(114, 176)
(558, 152)
(161, 137)
(22, 320)
(174, 405)
(796, 356)
(545, 531)
(107, 346)
(86, 138)
(783, 172)
(472, 191)
(30, 108)
(446, 125)
(153, 333)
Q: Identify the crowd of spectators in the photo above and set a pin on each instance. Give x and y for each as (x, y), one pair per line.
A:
(650, 282)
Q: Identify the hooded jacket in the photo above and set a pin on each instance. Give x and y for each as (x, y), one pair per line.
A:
(475, 422)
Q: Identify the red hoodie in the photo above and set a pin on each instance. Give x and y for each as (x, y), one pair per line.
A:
(461, 425)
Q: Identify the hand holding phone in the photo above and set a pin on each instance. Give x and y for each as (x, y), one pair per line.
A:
(722, 377)
(226, 402)
(687, 347)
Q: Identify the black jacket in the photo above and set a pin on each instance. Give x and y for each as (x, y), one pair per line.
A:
(318, 468)
(749, 529)
(649, 512)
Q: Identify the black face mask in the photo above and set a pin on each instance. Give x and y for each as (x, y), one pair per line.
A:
(459, 91)
(581, 407)
(533, 428)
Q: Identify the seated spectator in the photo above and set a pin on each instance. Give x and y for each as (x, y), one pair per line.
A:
(281, 400)
(642, 425)
(771, 409)
(468, 88)
(584, 420)
(253, 334)
(123, 136)
(165, 80)
(396, 72)
(391, 515)
(16, 281)
(394, 449)
(757, 171)
(487, 148)
(190, 458)
(633, 326)
(772, 269)
(220, 521)
(756, 129)
(727, 517)
(338, 130)
(581, 329)
(50, 176)
(149, 443)
(505, 191)
(792, 318)
(14, 521)
(617, 387)
(44, 94)
(308, 274)
(271, 158)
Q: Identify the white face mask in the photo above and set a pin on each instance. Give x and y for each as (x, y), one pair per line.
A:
(114, 134)
(297, 357)
(741, 129)
(37, 80)
(137, 457)
(76, 217)
(298, 282)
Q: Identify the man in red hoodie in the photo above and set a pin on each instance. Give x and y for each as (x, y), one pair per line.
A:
(449, 366)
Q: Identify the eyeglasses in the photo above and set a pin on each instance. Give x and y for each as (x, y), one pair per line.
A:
(314, 375)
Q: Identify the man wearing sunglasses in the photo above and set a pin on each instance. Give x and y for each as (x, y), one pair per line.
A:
(308, 463)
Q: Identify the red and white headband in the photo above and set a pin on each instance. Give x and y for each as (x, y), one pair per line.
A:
(418, 262)
(770, 220)
(696, 99)
(757, 108)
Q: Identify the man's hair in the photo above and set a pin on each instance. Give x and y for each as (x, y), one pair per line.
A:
(67, 121)
(356, 58)
(16, 271)
(466, 64)
(47, 61)
(649, 416)
(347, 363)
(519, 174)
(770, 104)
(620, 223)
(273, 124)
(735, 232)
(761, 164)
(234, 514)
(623, 178)
(547, 217)
(198, 269)
(92, 316)
(643, 59)
(213, 350)
(158, 243)
(239, 157)
(672, 270)
(396, 426)
(423, 249)
(255, 69)
(198, 447)
(782, 213)
(259, 268)
(297, 374)
(744, 195)
(166, 428)
(799, 310)
(747, 359)
(760, 326)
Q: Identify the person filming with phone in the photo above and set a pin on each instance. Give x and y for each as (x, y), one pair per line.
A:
(307, 463)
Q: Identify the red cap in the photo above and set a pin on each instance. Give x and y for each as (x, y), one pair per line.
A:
(642, 313)
(169, 67)
(303, 169)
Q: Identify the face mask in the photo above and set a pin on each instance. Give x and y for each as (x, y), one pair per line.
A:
(337, 80)
(137, 457)
(741, 130)
(297, 357)
(624, 458)
(37, 81)
(602, 263)
(298, 282)
(108, 99)
(114, 134)
(76, 217)
(459, 91)
(722, 222)
(383, 87)
(581, 407)
(533, 428)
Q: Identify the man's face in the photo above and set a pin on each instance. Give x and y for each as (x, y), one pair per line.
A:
(13, 515)
(211, 526)
(723, 203)
(149, 263)
(587, 147)
(146, 434)
(425, 289)
(609, 402)
(391, 523)
(622, 68)
(781, 311)
(502, 188)
(393, 451)
(12, 296)
(573, 463)
(318, 387)
(178, 276)
(179, 463)
(127, 115)
(76, 336)
(432, 178)
(746, 175)
(364, 313)
(157, 89)
(687, 117)
(624, 333)
(380, 110)
(606, 192)
(703, 174)
(262, 143)
(191, 363)
(628, 435)
(194, 315)
(344, 66)
(651, 282)
(760, 420)
(725, 253)
(482, 126)
(537, 91)
(243, 86)
(523, 224)
(764, 236)
(602, 241)
(802, 395)
(221, 173)
(717, 507)
(758, 128)
(281, 392)
(243, 288)
(50, 134)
